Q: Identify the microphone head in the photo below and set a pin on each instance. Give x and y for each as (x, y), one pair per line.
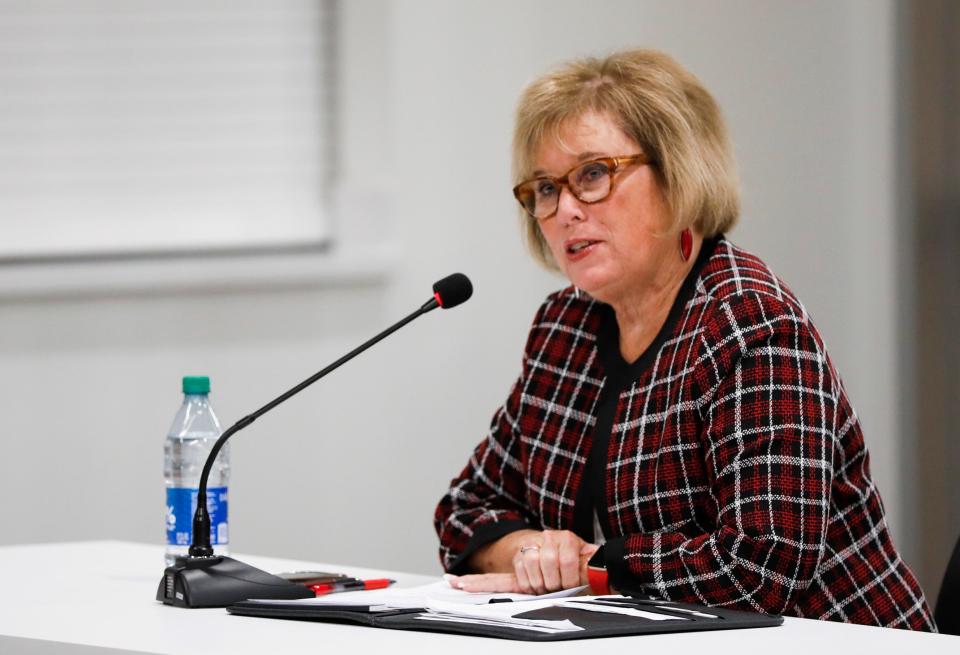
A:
(452, 290)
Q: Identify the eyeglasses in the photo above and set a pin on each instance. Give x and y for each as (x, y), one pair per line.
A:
(589, 182)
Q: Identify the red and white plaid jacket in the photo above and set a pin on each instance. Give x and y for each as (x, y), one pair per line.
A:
(726, 466)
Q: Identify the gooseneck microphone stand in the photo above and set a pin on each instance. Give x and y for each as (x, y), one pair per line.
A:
(204, 580)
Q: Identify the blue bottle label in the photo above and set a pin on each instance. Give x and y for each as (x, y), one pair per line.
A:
(182, 503)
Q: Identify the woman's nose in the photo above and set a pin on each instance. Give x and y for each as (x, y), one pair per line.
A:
(569, 209)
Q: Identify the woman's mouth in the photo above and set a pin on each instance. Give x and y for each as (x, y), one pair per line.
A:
(580, 248)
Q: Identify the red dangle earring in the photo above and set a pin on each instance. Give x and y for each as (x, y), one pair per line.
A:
(686, 244)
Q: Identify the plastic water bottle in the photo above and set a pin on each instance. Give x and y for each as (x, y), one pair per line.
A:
(194, 431)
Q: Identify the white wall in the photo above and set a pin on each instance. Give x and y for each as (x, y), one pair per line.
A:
(350, 471)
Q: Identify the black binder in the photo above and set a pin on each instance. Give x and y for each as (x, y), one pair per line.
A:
(594, 624)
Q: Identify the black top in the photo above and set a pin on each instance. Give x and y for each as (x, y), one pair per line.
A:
(620, 375)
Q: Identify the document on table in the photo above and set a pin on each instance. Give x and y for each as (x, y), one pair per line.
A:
(415, 597)
(440, 602)
(507, 614)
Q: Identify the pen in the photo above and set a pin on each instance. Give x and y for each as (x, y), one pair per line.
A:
(314, 577)
(353, 585)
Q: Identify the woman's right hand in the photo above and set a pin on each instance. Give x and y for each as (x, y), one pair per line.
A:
(540, 561)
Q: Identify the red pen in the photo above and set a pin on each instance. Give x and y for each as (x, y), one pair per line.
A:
(352, 585)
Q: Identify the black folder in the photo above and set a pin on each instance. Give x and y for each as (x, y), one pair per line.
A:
(594, 624)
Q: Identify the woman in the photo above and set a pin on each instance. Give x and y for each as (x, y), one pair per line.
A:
(677, 427)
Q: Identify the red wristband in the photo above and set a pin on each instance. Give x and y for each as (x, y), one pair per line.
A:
(597, 573)
(599, 581)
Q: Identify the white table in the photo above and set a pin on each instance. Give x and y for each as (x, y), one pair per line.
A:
(90, 597)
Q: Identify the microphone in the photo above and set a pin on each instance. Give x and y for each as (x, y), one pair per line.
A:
(452, 290)
(203, 580)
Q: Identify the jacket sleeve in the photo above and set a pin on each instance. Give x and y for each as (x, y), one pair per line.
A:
(489, 498)
(768, 407)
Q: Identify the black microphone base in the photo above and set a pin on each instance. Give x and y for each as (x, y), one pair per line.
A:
(222, 581)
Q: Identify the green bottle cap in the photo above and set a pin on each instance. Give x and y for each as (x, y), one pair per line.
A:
(196, 384)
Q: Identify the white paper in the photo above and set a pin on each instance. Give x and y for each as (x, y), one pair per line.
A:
(580, 604)
(554, 627)
(503, 614)
(444, 603)
(414, 597)
(493, 610)
(508, 611)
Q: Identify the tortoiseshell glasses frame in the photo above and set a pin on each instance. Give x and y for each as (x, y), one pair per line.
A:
(589, 182)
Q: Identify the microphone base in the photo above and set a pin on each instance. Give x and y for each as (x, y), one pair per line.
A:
(222, 581)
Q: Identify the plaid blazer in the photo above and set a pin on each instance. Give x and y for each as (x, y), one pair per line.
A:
(726, 466)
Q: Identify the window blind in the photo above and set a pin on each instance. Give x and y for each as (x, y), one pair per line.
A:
(135, 126)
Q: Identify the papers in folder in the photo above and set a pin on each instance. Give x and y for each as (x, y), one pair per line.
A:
(438, 602)
(395, 598)
(510, 614)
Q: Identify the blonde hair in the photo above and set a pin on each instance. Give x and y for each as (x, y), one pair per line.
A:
(657, 103)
